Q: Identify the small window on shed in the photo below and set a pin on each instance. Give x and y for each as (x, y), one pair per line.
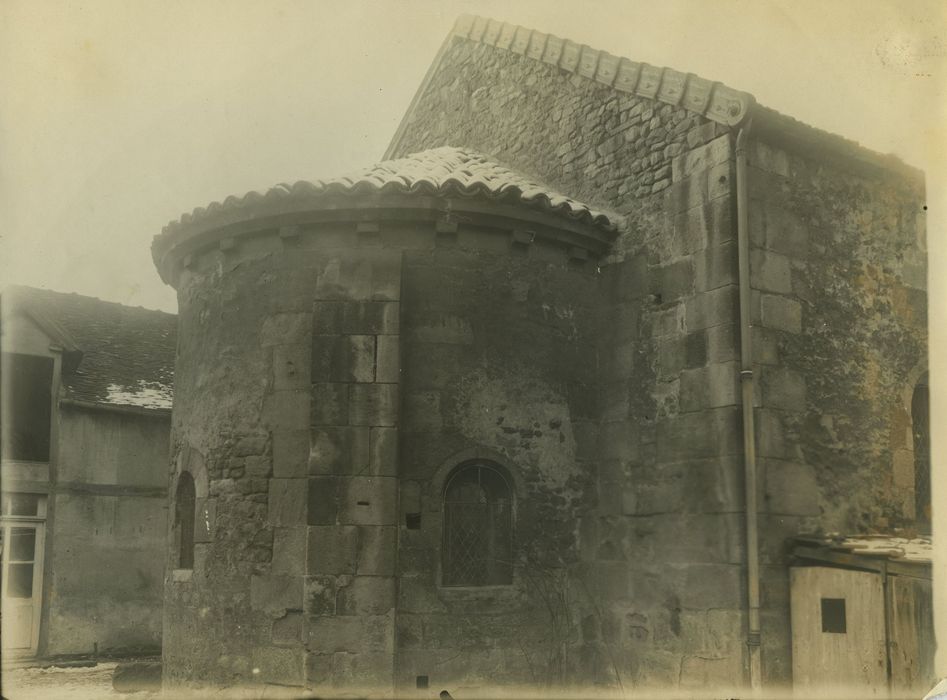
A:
(184, 504)
(833, 615)
(478, 527)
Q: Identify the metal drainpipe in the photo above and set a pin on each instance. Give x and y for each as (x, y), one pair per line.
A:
(749, 435)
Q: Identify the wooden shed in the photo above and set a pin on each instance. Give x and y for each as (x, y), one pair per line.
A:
(862, 615)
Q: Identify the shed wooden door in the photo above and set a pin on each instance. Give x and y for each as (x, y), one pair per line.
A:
(911, 633)
(838, 632)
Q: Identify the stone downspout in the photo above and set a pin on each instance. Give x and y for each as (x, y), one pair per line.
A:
(749, 434)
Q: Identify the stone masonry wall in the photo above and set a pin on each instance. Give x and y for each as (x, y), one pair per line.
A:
(666, 534)
(499, 364)
(580, 136)
(292, 399)
(661, 542)
(838, 269)
(352, 448)
(294, 462)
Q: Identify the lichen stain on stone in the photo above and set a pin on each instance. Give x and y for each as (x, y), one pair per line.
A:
(513, 411)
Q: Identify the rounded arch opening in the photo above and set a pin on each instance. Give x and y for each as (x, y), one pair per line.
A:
(185, 501)
(478, 525)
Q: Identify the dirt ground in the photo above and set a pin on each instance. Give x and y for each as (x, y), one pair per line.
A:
(88, 683)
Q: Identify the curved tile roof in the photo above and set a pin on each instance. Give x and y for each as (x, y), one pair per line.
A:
(445, 171)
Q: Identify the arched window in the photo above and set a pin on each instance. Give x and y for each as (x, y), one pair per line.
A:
(921, 427)
(184, 504)
(478, 527)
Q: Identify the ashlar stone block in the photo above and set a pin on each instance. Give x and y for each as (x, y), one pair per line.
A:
(343, 358)
(719, 181)
(770, 272)
(723, 343)
(791, 488)
(279, 665)
(286, 329)
(383, 452)
(371, 318)
(686, 436)
(712, 308)
(290, 453)
(388, 359)
(701, 158)
(320, 594)
(319, 670)
(770, 436)
(709, 387)
(369, 671)
(781, 313)
(323, 500)
(352, 634)
(368, 500)
(339, 450)
(287, 630)
(715, 267)
(287, 410)
(373, 404)
(275, 594)
(903, 463)
(326, 318)
(289, 551)
(377, 550)
(332, 549)
(330, 404)
(291, 367)
(784, 388)
(287, 502)
(367, 595)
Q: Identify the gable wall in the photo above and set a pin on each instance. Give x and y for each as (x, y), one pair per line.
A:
(838, 267)
(20, 334)
(839, 308)
(661, 539)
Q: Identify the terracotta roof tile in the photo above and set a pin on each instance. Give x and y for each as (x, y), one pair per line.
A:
(445, 171)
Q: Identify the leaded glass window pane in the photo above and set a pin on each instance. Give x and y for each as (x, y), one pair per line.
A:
(478, 528)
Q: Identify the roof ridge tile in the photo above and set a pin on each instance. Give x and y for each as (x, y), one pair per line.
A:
(713, 100)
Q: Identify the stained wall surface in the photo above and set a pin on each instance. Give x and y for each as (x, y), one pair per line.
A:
(330, 380)
(660, 538)
(839, 279)
(380, 363)
(105, 568)
(839, 314)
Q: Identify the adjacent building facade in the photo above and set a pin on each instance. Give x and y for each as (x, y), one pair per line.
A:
(86, 398)
(545, 397)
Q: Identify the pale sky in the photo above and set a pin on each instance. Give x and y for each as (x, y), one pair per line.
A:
(118, 116)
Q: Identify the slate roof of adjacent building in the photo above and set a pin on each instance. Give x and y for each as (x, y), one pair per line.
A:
(445, 171)
(113, 354)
